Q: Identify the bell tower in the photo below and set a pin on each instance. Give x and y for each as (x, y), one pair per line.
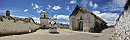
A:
(7, 13)
(44, 14)
(44, 19)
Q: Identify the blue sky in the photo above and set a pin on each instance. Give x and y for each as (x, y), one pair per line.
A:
(108, 10)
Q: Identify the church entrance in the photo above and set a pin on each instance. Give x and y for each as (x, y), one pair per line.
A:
(81, 25)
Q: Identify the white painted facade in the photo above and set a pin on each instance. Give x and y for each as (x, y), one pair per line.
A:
(11, 26)
(44, 20)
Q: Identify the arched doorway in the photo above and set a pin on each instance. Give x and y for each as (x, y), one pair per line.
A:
(80, 25)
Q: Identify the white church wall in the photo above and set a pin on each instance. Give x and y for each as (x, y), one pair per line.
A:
(10, 27)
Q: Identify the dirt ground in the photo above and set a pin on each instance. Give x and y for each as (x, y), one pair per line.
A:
(64, 34)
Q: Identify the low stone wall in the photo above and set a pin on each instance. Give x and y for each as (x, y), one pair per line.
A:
(8, 27)
(63, 26)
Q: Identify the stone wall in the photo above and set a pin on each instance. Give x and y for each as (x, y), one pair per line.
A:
(91, 22)
(11, 26)
(123, 25)
(88, 20)
(63, 26)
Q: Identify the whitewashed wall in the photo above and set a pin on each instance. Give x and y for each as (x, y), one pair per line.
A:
(123, 26)
(8, 26)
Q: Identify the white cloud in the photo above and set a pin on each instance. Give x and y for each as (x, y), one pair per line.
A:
(84, 2)
(61, 17)
(91, 4)
(63, 22)
(73, 1)
(37, 6)
(67, 8)
(34, 8)
(25, 10)
(64, 17)
(32, 4)
(119, 2)
(96, 12)
(114, 5)
(2, 12)
(49, 6)
(52, 10)
(39, 11)
(56, 7)
(110, 18)
(19, 16)
(95, 5)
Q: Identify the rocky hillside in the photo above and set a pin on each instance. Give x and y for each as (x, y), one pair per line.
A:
(15, 25)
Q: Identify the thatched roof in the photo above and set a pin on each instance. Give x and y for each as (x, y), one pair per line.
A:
(127, 4)
(78, 7)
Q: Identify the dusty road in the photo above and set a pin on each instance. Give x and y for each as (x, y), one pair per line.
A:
(64, 35)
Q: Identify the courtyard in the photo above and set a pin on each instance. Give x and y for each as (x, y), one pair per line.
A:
(64, 34)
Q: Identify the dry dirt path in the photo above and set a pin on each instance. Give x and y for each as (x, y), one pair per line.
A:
(65, 34)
